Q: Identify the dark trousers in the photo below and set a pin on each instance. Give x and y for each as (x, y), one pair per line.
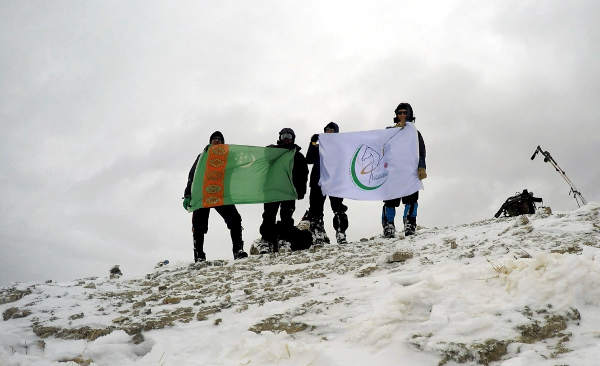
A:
(232, 218)
(317, 203)
(268, 228)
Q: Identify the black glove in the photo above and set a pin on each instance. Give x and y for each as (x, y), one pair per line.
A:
(314, 138)
(186, 202)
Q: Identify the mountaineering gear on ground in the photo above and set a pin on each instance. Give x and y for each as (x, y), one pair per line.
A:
(549, 159)
(520, 204)
(286, 240)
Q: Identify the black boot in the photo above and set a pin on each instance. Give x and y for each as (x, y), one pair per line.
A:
(340, 224)
(410, 225)
(387, 221)
(317, 228)
(238, 244)
(199, 255)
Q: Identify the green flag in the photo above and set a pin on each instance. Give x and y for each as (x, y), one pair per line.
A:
(230, 174)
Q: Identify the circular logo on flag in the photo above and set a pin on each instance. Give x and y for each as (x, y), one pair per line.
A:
(368, 169)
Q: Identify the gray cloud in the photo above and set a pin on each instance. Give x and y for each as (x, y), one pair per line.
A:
(104, 106)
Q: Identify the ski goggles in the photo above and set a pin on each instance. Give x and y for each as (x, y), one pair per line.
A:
(286, 136)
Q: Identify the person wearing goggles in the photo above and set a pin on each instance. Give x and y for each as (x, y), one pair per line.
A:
(279, 236)
(200, 216)
(404, 113)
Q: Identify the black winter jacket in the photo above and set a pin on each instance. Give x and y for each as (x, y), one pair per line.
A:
(312, 157)
(188, 187)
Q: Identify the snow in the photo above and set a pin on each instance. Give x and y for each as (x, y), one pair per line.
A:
(509, 291)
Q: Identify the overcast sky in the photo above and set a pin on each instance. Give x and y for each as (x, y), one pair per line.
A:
(104, 105)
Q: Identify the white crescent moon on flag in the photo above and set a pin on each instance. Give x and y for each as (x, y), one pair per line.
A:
(249, 164)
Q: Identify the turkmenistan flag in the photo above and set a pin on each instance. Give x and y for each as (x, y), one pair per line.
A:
(230, 174)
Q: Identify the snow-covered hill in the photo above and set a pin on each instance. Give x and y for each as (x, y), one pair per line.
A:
(509, 291)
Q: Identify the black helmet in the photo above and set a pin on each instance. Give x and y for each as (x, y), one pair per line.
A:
(285, 131)
(216, 134)
(410, 117)
(333, 126)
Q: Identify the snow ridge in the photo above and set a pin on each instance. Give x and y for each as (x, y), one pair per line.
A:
(508, 291)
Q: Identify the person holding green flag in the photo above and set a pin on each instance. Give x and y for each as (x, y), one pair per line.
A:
(278, 237)
(200, 215)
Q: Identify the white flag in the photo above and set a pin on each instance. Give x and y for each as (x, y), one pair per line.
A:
(370, 165)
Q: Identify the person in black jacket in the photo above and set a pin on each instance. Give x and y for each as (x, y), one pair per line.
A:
(200, 216)
(404, 113)
(317, 200)
(269, 230)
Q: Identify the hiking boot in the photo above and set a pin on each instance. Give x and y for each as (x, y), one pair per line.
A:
(284, 246)
(317, 228)
(199, 257)
(409, 229)
(410, 226)
(303, 225)
(263, 247)
(389, 230)
(340, 237)
(240, 254)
